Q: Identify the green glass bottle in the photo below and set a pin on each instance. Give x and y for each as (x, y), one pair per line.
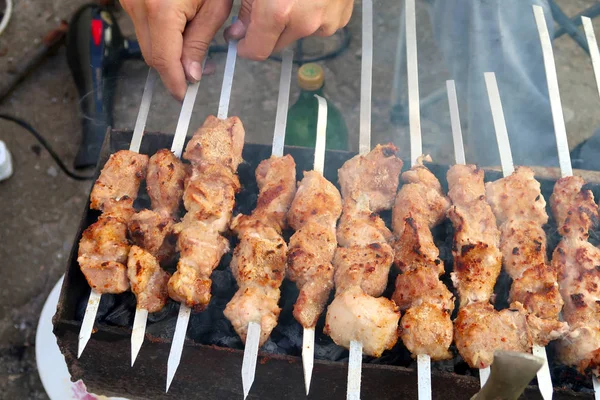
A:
(301, 129)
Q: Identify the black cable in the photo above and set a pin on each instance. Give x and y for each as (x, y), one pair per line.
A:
(47, 146)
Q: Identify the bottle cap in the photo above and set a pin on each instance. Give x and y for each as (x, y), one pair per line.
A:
(311, 76)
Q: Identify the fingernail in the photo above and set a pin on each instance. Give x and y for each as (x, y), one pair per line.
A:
(195, 71)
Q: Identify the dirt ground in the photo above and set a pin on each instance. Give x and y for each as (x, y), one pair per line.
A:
(40, 206)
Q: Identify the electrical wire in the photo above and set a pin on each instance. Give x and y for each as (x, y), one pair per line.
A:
(7, 15)
(47, 146)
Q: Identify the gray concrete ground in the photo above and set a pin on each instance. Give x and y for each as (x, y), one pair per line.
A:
(40, 207)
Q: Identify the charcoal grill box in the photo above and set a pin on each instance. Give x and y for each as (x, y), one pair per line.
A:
(213, 371)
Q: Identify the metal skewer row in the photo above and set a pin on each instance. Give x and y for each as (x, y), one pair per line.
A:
(94, 300)
(183, 317)
(253, 335)
(364, 146)
(543, 374)
(595, 57)
(138, 331)
(416, 151)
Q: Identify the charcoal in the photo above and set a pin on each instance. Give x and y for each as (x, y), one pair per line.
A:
(121, 313)
(327, 350)
(166, 312)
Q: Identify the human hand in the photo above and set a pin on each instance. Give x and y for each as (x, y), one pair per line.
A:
(265, 26)
(174, 36)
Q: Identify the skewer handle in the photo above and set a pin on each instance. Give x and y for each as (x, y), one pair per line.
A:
(593, 46)
(412, 68)
(560, 131)
(140, 122)
(459, 148)
(321, 135)
(227, 79)
(283, 101)
(354, 371)
(185, 117)
(366, 77)
(499, 124)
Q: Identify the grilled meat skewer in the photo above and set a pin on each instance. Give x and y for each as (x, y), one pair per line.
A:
(104, 246)
(363, 260)
(259, 260)
(215, 151)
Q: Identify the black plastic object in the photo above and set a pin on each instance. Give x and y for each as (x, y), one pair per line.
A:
(95, 50)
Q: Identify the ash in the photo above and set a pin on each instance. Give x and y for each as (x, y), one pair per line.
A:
(212, 328)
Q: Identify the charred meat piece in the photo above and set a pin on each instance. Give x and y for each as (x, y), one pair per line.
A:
(119, 179)
(148, 280)
(573, 207)
(419, 286)
(103, 251)
(151, 231)
(374, 175)
(276, 178)
(164, 182)
(354, 315)
(359, 226)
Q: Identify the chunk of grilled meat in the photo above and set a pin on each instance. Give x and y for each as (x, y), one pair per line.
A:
(523, 245)
(102, 255)
(374, 174)
(365, 266)
(517, 196)
(258, 266)
(477, 258)
(218, 142)
(422, 285)
(359, 226)
(164, 182)
(276, 178)
(577, 263)
(356, 316)
(151, 231)
(148, 280)
(479, 331)
(313, 215)
(201, 248)
(215, 152)
(537, 290)
(426, 327)
(119, 179)
(573, 207)
(210, 195)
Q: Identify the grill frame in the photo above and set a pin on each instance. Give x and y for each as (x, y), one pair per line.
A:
(212, 372)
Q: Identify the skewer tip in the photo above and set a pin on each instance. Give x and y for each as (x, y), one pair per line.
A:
(87, 325)
(596, 387)
(138, 332)
(183, 319)
(250, 356)
(308, 356)
(354, 371)
(543, 374)
(484, 374)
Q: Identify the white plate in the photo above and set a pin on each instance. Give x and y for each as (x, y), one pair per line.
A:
(51, 364)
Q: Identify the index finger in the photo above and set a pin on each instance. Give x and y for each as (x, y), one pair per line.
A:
(166, 36)
(267, 22)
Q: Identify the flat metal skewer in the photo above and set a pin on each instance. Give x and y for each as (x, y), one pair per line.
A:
(416, 151)
(253, 335)
(138, 332)
(459, 155)
(91, 310)
(543, 374)
(183, 318)
(595, 56)
(364, 146)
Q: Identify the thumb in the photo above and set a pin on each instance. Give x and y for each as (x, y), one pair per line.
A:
(238, 29)
(198, 34)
